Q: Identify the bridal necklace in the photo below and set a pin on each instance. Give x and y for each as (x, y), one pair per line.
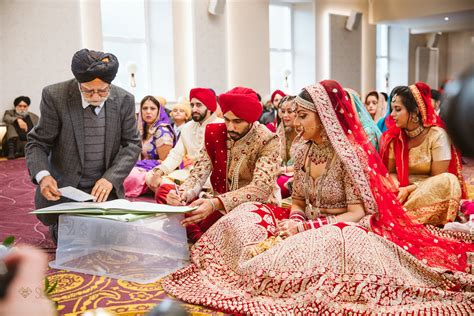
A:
(416, 132)
(320, 153)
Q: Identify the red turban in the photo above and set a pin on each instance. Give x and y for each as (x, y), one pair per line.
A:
(206, 96)
(243, 102)
(275, 93)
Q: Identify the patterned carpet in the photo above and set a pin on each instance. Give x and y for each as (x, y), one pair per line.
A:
(76, 292)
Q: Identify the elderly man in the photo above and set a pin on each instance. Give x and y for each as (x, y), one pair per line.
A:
(87, 135)
(242, 157)
(19, 123)
(187, 149)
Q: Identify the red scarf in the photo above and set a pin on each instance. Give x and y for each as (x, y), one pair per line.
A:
(216, 146)
(422, 94)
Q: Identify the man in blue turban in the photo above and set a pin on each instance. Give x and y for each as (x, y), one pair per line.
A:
(87, 135)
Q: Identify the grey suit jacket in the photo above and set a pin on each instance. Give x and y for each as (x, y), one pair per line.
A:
(56, 144)
(10, 117)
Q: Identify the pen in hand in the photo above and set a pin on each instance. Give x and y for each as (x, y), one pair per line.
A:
(176, 188)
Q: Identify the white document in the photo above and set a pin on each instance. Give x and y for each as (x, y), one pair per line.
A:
(119, 206)
(76, 194)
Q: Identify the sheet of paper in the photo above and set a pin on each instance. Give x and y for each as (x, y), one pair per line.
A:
(76, 194)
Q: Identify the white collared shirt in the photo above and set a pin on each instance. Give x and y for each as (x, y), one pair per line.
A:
(85, 104)
(189, 144)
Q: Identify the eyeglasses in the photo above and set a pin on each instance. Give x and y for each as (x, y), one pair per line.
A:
(90, 93)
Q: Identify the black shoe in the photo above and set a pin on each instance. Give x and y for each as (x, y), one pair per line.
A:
(11, 149)
(53, 230)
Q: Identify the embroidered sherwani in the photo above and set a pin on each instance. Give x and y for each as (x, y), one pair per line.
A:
(251, 170)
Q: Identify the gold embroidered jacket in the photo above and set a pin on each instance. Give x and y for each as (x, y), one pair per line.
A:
(253, 164)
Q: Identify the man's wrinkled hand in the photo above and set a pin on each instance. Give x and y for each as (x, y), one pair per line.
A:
(101, 190)
(49, 188)
(22, 124)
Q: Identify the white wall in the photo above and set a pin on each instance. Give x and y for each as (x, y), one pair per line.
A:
(303, 41)
(248, 46)
(183, 35)
(161, 51)
(91, 24)
(38, 40)
(460, 53)
(210, 44)
(398, 44)
(456, 53)
(388, 10)
(345, 47)
(322, 9)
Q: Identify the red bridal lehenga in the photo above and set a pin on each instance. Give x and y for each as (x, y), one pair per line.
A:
(385, 265)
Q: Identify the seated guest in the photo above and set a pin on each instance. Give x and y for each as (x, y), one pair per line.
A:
(181, 113)
(242, 157)
(373, 104)
(157, 137)
(320, 261)
(370, 127)
(267, 107)
(271, 118)
(87, 136)
(186, 151)
(19, 122)
(420, 157)
(287, 132)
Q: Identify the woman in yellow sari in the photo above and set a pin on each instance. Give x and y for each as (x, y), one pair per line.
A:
(420, 157)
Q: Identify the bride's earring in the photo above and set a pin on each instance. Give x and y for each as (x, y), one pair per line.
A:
(323, 134)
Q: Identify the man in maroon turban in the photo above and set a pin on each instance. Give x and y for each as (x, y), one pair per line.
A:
(242, 158)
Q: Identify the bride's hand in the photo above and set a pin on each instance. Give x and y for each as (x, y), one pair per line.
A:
(287, 228)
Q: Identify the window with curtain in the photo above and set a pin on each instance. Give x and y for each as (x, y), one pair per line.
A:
(139, 33)
(281, 46)
(382, 71)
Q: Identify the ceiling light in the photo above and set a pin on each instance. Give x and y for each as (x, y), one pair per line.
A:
(446, 18)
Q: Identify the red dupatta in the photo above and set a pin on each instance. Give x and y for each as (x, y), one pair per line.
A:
(216, 146)
(422, 94)
(375, 185)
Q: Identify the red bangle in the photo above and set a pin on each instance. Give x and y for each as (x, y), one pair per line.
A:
(297, 217)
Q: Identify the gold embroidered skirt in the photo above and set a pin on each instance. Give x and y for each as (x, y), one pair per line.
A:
(435, 201)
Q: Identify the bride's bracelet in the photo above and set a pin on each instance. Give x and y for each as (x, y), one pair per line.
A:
(317, 223)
